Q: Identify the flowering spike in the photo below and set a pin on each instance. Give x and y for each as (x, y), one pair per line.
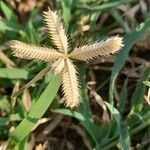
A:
(103, 48)
(56, 30)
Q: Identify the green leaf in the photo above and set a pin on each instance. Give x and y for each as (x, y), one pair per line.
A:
(84, 104)
(147, 83)
(3, 121)
(122, 127)
(84, 108)
(9, 26)
(137, 98)
(9, 14)
(93, 19)
(14, 73)
(66, 5)
(106, 6)
(13, 30)
(119, 19)
(4, 105)
(12, 117)
(129, 40)
(31, 30)
(70, 113)
(114, 112)
(23, 145)
(32, 33)
(124, 136)
(37, 110)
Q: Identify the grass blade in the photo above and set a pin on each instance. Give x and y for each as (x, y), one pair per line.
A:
(84, 105)
(115, 14)
(107, 6)
(66, 5)
(124, 139)
(70, 113)
(129, 41)
(14, 73)
(37, 110)
(32, 33)
(139, 92)
(147, 83)
(9, 14)
(12, 117)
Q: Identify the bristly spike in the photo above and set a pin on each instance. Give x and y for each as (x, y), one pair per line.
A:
(56, 30)
(62, 60)
(70, 85)
(102, 48)
(28, 51)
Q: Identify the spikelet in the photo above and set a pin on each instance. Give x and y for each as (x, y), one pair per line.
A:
(62, 60)
(103, 48)
(29, 51)
(56, 30)
(57, 66)
(70, 85)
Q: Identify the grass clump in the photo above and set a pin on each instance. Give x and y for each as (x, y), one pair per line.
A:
(113, 112)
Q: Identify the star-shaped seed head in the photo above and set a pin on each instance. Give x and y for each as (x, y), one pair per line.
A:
(62, 61)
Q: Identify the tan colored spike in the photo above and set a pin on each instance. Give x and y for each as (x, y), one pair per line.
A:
(103, 48)
(70, 85)
(29, 51)
(62, 60)
(56, 30)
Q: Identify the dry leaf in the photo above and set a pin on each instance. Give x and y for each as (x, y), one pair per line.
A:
(26, 100)
(39, 122)
(39, 147)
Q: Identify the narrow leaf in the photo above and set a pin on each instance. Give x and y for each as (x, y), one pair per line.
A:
(147, 83)
(14, 73)
(129, 40)
(66, 5)
(84, 104)
(9, 14)
(139, 92)
(123, 131)
(12, 117)
(106, 6)
(37, 110)
(32, 33)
